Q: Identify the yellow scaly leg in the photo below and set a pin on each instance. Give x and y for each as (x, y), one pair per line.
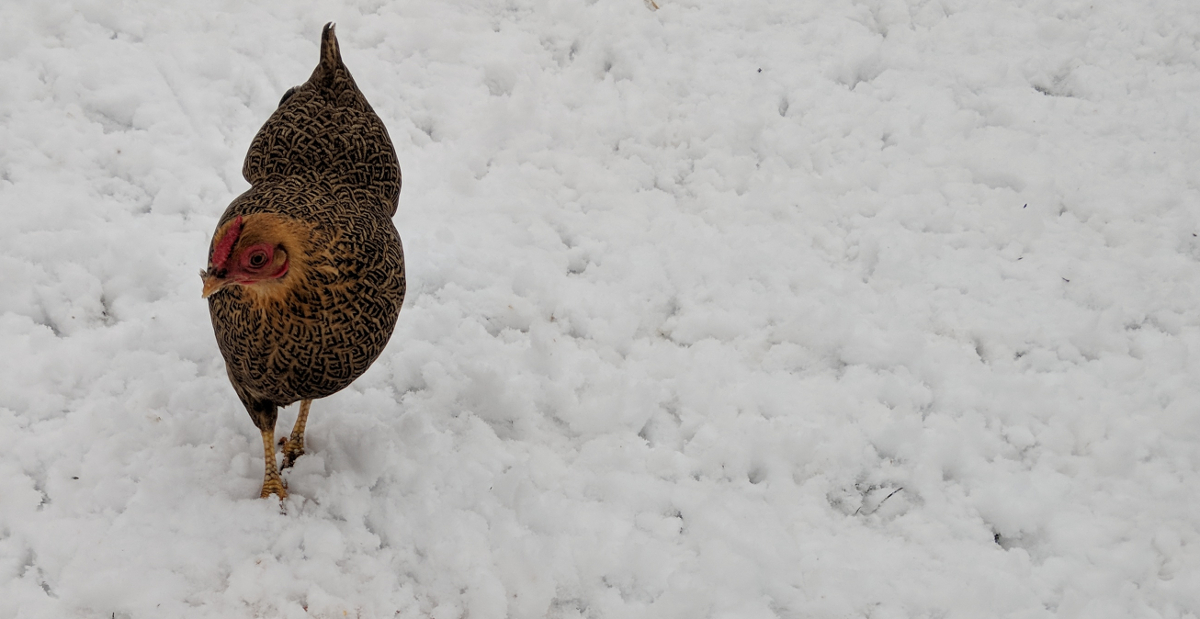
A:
(272, 482)
(293, 447)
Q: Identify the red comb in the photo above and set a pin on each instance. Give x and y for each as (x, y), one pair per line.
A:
(225, 245)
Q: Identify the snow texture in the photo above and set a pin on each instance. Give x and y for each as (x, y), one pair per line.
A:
(729, 308)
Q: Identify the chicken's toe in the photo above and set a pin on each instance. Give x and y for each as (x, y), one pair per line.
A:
(291, 451)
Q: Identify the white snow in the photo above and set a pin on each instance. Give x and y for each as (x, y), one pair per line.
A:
(731, 309)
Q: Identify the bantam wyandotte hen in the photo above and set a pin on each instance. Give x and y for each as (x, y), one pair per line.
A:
(305, 273)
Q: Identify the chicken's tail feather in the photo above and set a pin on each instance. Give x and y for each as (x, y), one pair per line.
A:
(331, 54)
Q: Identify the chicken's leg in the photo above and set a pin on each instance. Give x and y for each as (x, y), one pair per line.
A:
(272, 482)
(293, 447)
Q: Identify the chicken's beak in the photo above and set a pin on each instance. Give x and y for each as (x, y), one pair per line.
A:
(212, 283)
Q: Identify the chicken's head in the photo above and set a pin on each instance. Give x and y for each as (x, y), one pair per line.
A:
(246, 251)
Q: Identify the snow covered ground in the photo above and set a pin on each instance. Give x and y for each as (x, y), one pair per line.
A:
(733, 308)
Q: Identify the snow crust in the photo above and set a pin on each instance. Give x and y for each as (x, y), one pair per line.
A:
(731, 309)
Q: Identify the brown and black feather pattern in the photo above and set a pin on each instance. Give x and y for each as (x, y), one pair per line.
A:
(324, 167)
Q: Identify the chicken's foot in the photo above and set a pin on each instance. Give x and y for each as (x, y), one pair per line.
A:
(272, 482)
(293, 446)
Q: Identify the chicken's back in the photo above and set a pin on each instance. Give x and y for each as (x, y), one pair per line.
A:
(325, 126)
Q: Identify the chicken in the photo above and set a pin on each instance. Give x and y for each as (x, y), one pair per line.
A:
(305, 273)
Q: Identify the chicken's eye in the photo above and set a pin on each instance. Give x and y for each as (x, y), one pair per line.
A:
(257, 259)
